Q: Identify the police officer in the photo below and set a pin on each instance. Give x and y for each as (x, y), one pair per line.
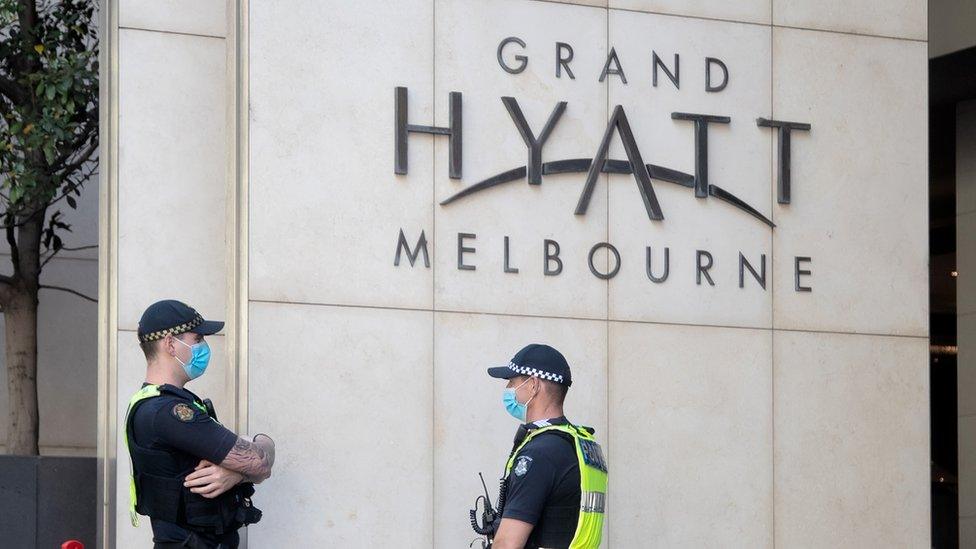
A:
(555, 483)
(191, 475)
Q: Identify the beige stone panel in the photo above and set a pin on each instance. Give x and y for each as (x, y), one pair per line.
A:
(859, 184)
(691, 432)
(738, 162)
(967, 531)
(967, 466)
(966, 403)
(325, 205)
(895, 18)
(131, 375)
(966, 364)
(172, 187)
(749, 11)
(468, 37)
(66, 361)
(347, 395)
(851, 438)
(966, 264)
(594, 3)
(472, 431)
(205, 17)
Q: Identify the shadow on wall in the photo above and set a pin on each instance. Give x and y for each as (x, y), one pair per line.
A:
(47, 500)
(67, 334)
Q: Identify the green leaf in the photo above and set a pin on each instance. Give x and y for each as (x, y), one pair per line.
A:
(51, 90)
(49, 152)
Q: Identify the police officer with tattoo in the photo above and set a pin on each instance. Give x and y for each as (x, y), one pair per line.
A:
(191, 475)
(554, 488)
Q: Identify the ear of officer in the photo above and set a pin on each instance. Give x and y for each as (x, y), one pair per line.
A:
(539, 397)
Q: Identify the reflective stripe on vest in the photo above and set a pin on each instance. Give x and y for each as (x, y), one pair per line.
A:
(593, 483)
(147, 392)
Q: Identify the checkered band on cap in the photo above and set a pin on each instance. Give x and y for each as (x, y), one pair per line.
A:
(175, 330)
(530, 371)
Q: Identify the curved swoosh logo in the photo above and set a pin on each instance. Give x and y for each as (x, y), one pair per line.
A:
(578, 165)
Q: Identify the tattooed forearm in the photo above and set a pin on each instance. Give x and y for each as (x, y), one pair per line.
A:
(252, 459)
(268, 445)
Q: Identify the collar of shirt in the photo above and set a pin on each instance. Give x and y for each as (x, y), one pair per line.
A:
(561, 420)
(181, 390)
(524, 429)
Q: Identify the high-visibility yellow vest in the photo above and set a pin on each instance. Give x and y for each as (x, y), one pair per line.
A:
(593, 482)
(147, 392)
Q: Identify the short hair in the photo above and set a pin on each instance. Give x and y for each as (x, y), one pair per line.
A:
(557, 390)
(149, 348)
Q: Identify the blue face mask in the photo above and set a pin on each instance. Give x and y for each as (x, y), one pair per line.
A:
(199, 358)
(515, 408)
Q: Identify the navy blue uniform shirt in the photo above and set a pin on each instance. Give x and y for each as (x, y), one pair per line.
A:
(545, 474)
(162, 423)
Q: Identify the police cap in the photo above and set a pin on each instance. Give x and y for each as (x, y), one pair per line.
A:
(536, 360)
(171, 317)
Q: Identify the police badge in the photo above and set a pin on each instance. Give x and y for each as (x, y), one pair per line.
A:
(183, 412)
(522, 465)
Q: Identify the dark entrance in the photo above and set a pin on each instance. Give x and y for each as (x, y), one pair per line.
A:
(952, 80)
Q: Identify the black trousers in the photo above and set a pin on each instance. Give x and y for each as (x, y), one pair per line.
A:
(227, 541)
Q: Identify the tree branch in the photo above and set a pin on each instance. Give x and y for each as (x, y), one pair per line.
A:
(14, 251)
(69, 290)
(27, 216)
(13, 91)
(27, 15)
(7, 284)
(49, 258)
(83, 157)
(90, 131)
(67, 249)
(6, 106)
(28, 18)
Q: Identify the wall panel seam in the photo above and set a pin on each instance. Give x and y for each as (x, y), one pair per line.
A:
(581, 318)
(742, 22)
(177, 33)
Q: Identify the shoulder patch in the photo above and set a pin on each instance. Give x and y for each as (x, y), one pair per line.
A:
(522, 465)
(183, 412)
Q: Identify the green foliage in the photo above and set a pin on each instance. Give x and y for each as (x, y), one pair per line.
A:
(48, 107)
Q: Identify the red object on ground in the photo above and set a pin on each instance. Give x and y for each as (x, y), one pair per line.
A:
(72, 544)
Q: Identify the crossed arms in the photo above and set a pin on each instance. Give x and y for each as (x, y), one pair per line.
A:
(253, 460)
(247, 461)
